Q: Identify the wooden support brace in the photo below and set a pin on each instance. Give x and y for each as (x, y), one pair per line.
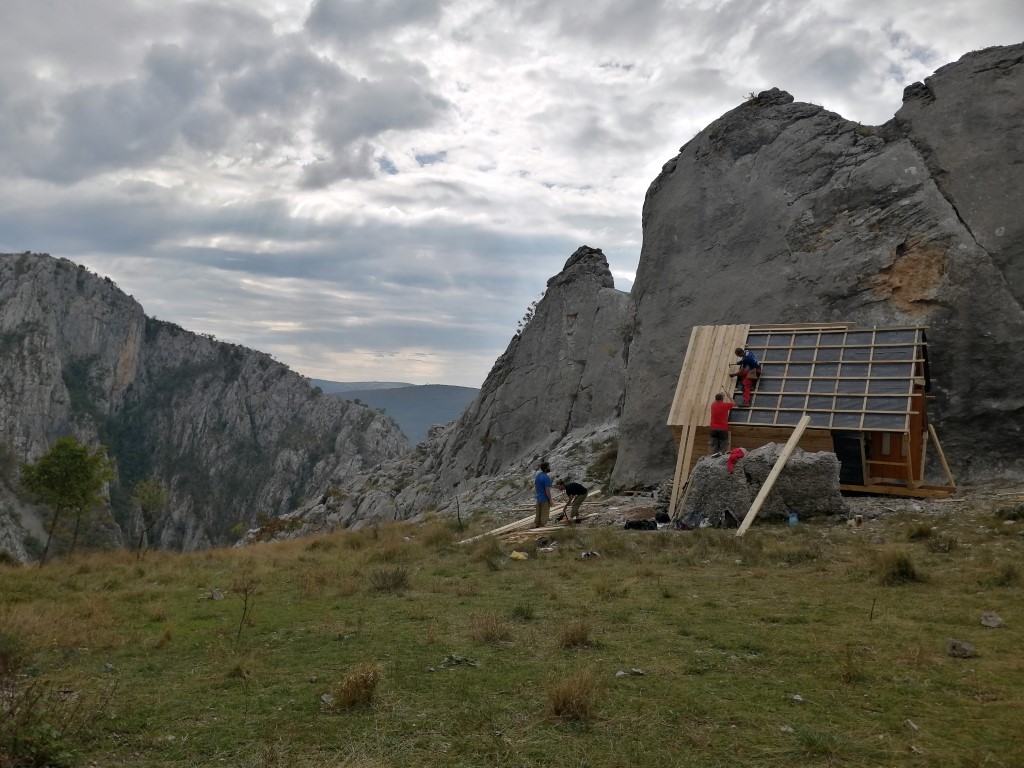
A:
(769, 482)
(941, 455)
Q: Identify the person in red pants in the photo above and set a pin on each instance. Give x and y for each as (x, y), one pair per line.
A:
(749, 372)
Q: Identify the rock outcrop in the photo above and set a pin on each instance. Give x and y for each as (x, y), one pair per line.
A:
(808, 486)
(233, 433)
(782, 212)
(562, 373)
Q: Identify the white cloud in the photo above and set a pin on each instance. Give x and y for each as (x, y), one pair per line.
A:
(386, 186)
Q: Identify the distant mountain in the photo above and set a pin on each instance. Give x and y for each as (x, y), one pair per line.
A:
(231, 433)
(415, 408)
(333, 387)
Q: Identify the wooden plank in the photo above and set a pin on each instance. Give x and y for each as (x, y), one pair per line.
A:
(680, 458)
(941, 454)
(674, 409)
(923, 492)
(769, 482)
(504, 529)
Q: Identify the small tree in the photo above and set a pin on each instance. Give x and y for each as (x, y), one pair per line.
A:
(152, 497)
(70, 477)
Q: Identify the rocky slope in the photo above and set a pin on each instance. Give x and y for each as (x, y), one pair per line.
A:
(562, 373)
(234, 434)
(785, 212)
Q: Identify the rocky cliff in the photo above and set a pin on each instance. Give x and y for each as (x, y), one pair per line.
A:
(785, 212)
(562, 373)
(233, 433)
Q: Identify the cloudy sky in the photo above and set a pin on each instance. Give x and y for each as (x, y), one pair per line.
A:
(377, 189)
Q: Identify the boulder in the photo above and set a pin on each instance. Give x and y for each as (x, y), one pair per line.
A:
(808, 486)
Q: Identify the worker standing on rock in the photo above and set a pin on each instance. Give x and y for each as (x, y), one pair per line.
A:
(720, 424)
(542, 484)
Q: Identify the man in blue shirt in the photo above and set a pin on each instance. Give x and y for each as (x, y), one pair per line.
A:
(749, 372)
(542, 484)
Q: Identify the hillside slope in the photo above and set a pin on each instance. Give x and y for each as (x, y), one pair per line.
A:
(233, 433)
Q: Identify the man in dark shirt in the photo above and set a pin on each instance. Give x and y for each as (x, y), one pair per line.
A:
(575, 494)
(749, 372)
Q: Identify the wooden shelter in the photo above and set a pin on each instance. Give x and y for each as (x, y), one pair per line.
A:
(863, 389)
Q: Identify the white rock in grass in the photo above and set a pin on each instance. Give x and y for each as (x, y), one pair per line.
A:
(991, 619)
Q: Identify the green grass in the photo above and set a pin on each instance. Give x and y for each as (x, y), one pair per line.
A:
(394, 647)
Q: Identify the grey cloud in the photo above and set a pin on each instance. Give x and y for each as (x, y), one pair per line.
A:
(218, 21)
(362, 111)
(354, 20)
(85, 40)
(126, 123)
(206, 129)
(371, 107)
(282, 83)
(601, 22)
(346, 163)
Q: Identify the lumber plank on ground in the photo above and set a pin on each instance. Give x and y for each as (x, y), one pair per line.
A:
(503, 529)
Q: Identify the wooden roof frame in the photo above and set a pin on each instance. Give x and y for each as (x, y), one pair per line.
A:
(705, 371)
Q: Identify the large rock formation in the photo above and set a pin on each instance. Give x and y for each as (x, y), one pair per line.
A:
(785, 212)
(562, 373)
(233, 433)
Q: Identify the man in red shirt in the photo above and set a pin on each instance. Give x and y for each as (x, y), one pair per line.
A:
(720, 424)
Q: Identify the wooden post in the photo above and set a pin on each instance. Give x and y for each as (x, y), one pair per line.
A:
(769, 482)
(942, 456)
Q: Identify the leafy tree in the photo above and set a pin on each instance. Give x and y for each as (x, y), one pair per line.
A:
(152, 497)
(70, 477)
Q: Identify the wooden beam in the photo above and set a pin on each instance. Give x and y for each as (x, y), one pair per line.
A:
(682, 457)
(769, 482)
(504, 529)
(924, 492)
(941, 454)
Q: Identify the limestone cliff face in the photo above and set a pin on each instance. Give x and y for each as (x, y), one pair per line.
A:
(785, 212)
(232, 433)
(562, 373)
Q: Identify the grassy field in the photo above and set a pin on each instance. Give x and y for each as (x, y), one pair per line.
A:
(813, 645)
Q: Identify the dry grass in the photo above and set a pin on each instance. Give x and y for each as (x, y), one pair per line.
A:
(576, 634)
(894, 566)
(489, 628)
(394, 579)
(575, 697)
(358, 687)
(164, 638)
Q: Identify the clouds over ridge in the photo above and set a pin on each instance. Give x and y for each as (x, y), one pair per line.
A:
(391, 183)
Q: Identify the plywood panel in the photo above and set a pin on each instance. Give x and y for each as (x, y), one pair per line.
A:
(704, 373)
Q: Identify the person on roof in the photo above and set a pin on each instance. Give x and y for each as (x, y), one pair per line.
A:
(749, 372)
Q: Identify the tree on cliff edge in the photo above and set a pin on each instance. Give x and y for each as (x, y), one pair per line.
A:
(70, 477)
